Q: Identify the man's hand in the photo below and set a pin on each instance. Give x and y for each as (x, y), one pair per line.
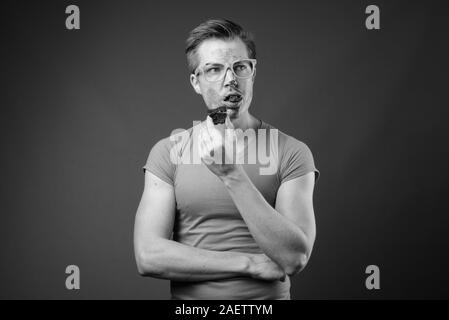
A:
(216, 145)
(263, 268)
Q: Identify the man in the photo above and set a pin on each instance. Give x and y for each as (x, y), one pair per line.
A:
(224, 230)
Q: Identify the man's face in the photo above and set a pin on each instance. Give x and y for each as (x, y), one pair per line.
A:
(217, 93)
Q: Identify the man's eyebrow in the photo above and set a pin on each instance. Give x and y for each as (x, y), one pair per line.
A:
(213, 63)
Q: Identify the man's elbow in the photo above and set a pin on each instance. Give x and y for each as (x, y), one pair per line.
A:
(300, 255)
(147, 266)
(142, 264)
(297, 264)
(141, 268)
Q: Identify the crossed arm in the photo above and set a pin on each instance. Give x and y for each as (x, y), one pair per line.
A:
(285, 234)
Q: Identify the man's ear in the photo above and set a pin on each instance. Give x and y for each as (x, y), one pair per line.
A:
(195, 83)
(254, 75)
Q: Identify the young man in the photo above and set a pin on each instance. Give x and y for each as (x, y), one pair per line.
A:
(226, 230)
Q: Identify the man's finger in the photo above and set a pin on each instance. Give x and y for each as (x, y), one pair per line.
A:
(209, 123)
(208, 143)
(201, 143)
(283, 278)
(205, 152)
(228, 123)
(229, 130)
(210, 129)
(206, 134)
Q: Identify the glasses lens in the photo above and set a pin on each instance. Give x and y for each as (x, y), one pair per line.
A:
(214, 72)
(243, 68)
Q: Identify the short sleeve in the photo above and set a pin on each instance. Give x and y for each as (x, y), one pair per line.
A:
(296, 161)
(159, 162)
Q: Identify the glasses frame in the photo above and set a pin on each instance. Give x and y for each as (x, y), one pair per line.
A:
(200, 70)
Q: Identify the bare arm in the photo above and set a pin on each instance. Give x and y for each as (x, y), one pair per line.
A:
(285, 233)
(158, 256)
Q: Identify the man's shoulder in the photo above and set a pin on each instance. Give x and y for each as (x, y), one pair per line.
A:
(175, 135)
(178, 139)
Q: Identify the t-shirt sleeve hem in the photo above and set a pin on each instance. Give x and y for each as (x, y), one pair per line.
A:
(300, 174)
(157, 174)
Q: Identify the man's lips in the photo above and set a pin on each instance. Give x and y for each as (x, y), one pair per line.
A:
(233, 97)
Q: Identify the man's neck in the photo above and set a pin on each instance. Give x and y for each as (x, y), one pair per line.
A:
(246, 121)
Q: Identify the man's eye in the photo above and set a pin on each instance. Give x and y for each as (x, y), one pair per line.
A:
(213, 70)
(241, 67)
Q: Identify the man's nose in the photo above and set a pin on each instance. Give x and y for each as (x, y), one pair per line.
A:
(230, 78)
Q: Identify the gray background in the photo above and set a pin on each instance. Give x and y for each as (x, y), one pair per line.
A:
(80, 111)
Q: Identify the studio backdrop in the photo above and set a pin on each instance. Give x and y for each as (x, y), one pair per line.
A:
(81, 108)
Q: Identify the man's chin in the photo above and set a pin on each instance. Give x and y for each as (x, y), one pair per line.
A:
(233, 105)
(233, 112)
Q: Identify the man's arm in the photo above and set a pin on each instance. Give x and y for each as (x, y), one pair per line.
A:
(285, 233)
(158, 256)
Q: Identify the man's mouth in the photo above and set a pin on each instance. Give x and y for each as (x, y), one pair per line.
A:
(233, 98)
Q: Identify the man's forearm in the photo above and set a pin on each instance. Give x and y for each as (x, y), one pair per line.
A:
(168, 259)
(280, 239)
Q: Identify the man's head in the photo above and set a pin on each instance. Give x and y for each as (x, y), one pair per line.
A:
(221, 58)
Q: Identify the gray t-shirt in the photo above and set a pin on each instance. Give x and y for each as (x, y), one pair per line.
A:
(207, 218)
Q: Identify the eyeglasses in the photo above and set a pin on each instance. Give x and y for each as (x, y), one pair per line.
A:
(216, 71)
